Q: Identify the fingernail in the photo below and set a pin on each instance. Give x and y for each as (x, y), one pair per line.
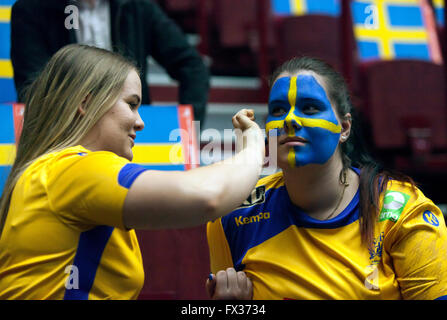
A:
(210, 277)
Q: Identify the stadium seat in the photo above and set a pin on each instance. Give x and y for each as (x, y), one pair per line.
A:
(294, 39)
(305, 27)
(402, 85)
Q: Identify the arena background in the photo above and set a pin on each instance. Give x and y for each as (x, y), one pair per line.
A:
(392, 53)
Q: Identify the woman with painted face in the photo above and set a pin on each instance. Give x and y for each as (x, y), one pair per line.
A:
(332, 224)
(73, 197)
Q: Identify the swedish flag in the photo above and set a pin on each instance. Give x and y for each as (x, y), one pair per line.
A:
(7, 88)
(168, 141)
(303, 7)
(393, 29)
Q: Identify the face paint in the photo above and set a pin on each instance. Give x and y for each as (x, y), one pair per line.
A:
(301, 104)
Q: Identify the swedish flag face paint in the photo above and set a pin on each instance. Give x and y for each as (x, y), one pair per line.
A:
(300, 109)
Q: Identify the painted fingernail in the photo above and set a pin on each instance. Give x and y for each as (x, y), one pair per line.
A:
(210, 277)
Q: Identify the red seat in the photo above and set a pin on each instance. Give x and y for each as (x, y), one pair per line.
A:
(294, 39)
(180, 5)
(398, 93)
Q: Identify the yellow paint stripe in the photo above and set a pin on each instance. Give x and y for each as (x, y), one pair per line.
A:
(291, 157)
(7, 154)
(5, 14)
(291, 96)
(306, 122)
(158, 154)
(6, 70)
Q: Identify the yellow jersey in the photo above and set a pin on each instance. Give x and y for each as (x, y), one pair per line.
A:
(289, 255)
(64, 236)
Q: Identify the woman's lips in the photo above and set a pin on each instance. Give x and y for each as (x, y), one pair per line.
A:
(132, 138)
(293, 141)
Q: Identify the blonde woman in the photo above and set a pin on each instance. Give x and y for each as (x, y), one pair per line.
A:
(73, 198)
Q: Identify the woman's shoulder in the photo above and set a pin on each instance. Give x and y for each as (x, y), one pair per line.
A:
(401, 200)
(274, 181)
(61, 160)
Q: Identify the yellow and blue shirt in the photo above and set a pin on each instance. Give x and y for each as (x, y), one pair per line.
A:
(289, 255)
(64, 236)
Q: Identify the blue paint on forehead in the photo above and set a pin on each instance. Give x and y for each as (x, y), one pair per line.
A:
(309, 88)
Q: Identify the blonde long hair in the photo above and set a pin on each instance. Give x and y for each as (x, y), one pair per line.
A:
(77, 75)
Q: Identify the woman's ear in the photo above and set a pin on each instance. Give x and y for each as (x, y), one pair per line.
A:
(81, 108)
(346, 124)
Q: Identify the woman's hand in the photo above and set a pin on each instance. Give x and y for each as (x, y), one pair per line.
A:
(249, 135)
(244, 119)
(229, 285)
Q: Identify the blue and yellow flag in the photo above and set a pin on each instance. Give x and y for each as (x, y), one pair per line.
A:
(303, 7)
(439, 11)
(168, 141)
(394, 29)
(7, 142)
(7, 88)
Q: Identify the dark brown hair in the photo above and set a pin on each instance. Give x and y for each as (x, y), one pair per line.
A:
(373, 176)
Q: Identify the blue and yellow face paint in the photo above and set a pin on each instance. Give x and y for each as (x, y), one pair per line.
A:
(300, 105)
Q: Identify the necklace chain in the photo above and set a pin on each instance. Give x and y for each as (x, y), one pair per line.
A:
(345, 184)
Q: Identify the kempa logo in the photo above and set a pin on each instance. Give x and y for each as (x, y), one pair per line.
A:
(241, 220)
(393, 204)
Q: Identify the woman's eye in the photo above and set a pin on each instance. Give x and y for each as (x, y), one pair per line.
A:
(310, 109)
(133, 106)
(278, 111)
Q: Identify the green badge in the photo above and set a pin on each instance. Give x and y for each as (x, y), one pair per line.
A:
(393, 204)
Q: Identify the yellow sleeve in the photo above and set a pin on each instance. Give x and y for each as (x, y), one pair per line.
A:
(84, 189)
(220, 254)
(419, 251)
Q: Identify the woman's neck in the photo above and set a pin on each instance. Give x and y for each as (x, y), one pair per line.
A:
(317, 189)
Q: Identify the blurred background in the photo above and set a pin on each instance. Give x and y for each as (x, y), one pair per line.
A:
(391, 52)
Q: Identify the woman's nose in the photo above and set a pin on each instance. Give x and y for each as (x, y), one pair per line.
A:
(292, 124)
(139, 123)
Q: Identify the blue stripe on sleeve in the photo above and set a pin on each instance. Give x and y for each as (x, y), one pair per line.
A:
(442, 298)
(129, 173)
(88, 255)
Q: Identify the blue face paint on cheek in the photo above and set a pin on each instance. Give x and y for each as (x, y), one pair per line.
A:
(278, 99)
(322, 142)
